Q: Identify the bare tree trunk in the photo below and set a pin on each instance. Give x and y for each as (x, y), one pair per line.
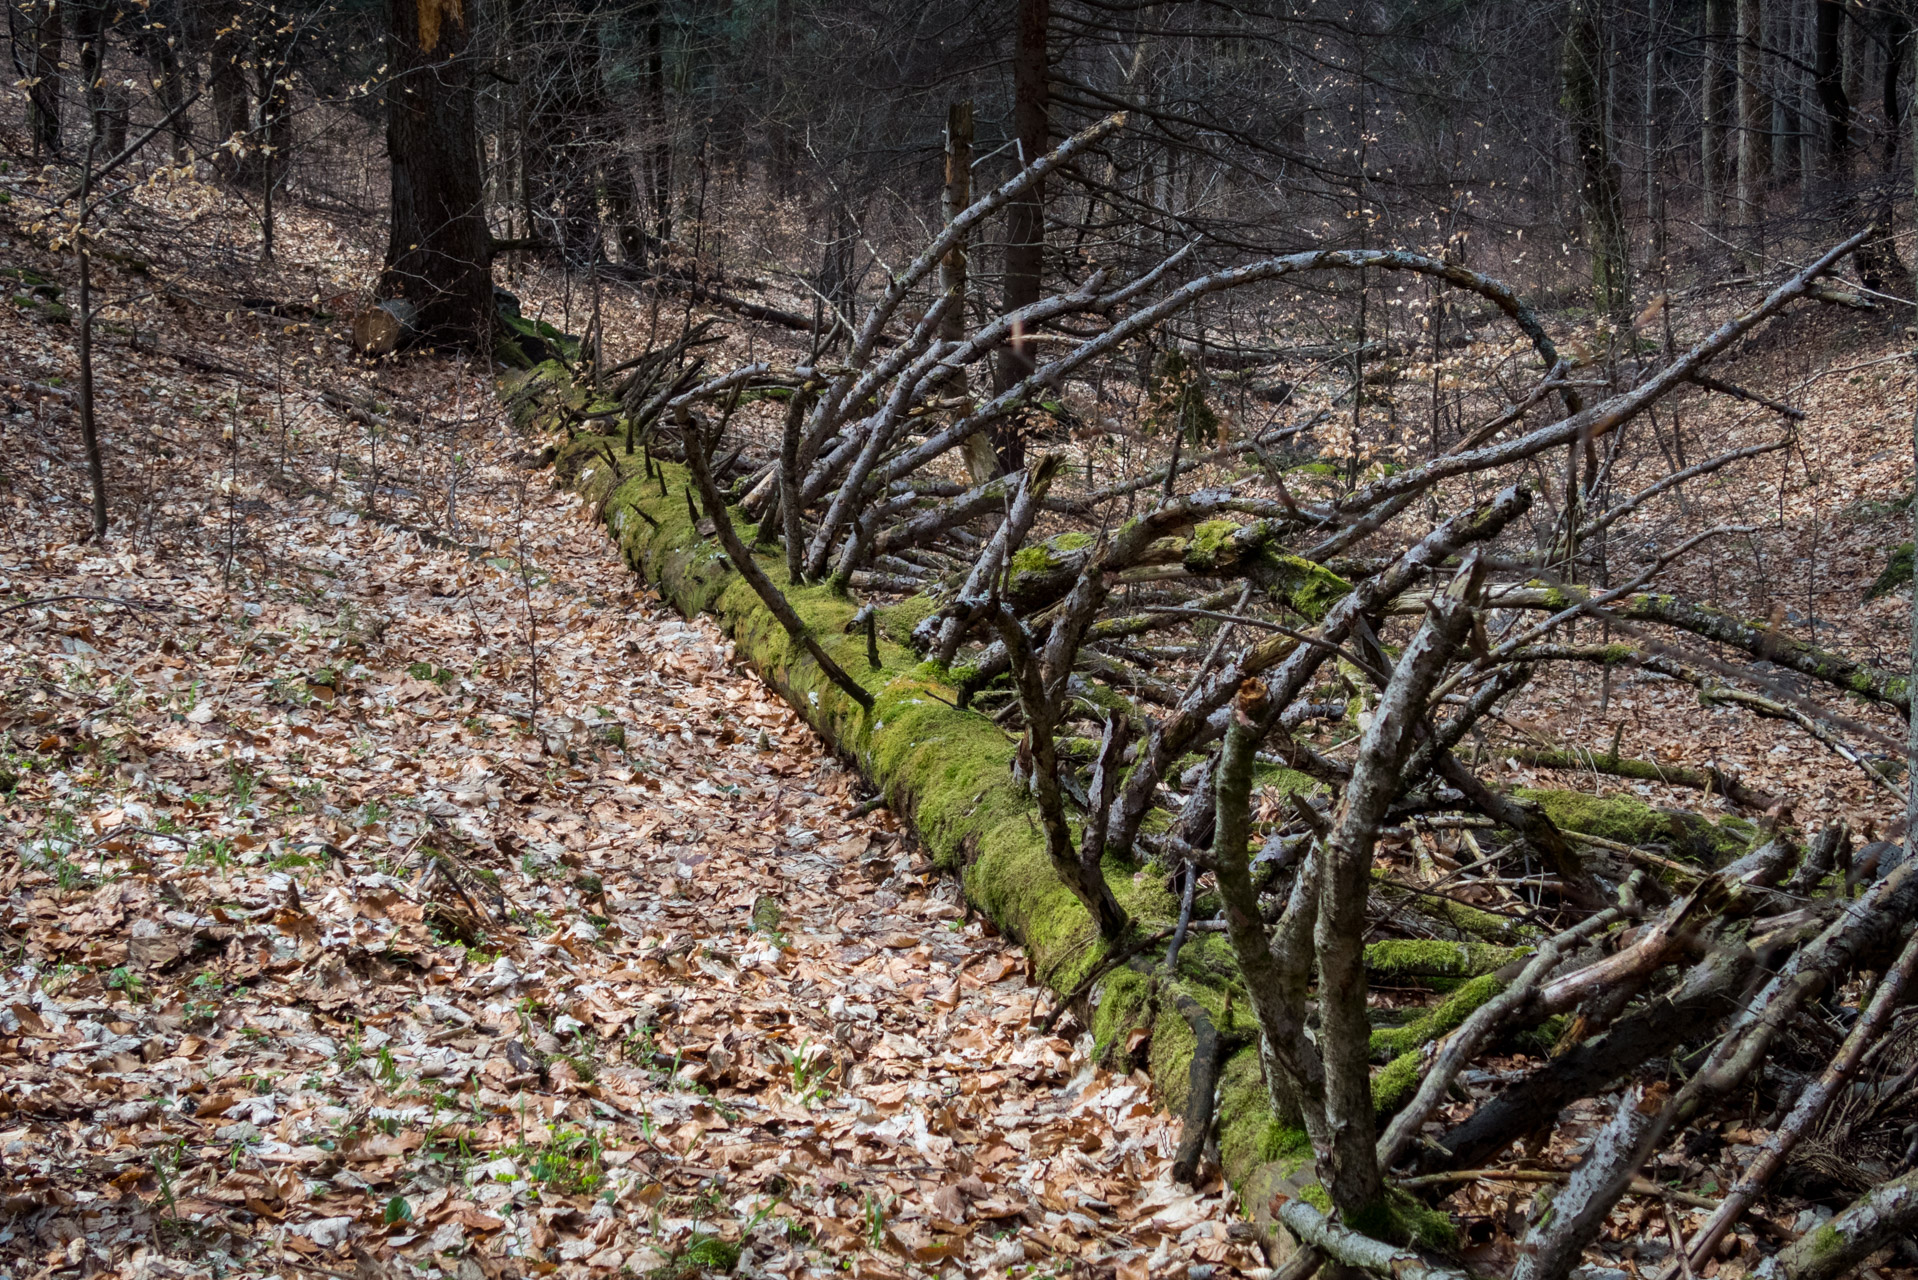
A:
(1751, 98)
(981, 464)
(226, 85)
(45, 38)
(1350, 1169)
(662, 148)
(1784, 119)
(1804, 19)
(1601, 185)
(1829, 72)
(160, 37)
(89, 426)
(90, 19)
(1026, 216)
(782, 143)
(1654, 185)
(440, 256)
(1897, 55)
(1713, 106)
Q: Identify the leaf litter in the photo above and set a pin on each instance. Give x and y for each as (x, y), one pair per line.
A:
(398, 890)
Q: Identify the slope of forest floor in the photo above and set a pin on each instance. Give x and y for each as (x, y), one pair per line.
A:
(390, 879)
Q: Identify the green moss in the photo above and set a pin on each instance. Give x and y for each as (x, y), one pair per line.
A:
(1629, 820)
(1403, 1220)
(1826, 1240)
(1390, 1042)
(712, 1253)
(1124, 1004)
(1050, 555)
(1249, 1134)
(1309, 588)
(1209, 538)
(1281, 780)
(1544, 1038)
(1171, 1057)
(1896, 575)
(1405, 959)
(1394, 1086)
(897, 621)
(1316, 1196)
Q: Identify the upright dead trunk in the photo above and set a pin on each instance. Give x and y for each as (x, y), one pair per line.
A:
(1751, 127)
(43, 40)
(981, 464)
(439, 258)
(1601, 185)
(1025, 216)
(1713, 108)
(782, 139)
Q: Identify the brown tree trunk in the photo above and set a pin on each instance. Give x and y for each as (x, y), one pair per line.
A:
(440, 256)
(161, 38)
(226, 85)
(1828, 70)
(1897, 56)
(1714, 105)
(90, 20)
(1751, 129)
(1601, 185)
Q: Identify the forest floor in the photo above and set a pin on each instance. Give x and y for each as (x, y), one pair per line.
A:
(391, 878)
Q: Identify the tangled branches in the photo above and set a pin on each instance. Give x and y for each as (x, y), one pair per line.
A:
(1158, 648)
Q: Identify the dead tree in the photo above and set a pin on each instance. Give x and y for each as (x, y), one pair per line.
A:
(1029, 602)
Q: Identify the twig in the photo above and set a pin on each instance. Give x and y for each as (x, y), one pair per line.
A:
(1185, 917)
(755, 577)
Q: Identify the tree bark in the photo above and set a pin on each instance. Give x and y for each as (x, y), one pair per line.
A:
(90, 21)
(160, 38)
(660, 168)
(1751, 129)
(1601, 185)
(1713, 107)
(1828, 71)
(440, 255)
(44, 43)
(1349, 1167)
(226, 85)
(981, 465)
